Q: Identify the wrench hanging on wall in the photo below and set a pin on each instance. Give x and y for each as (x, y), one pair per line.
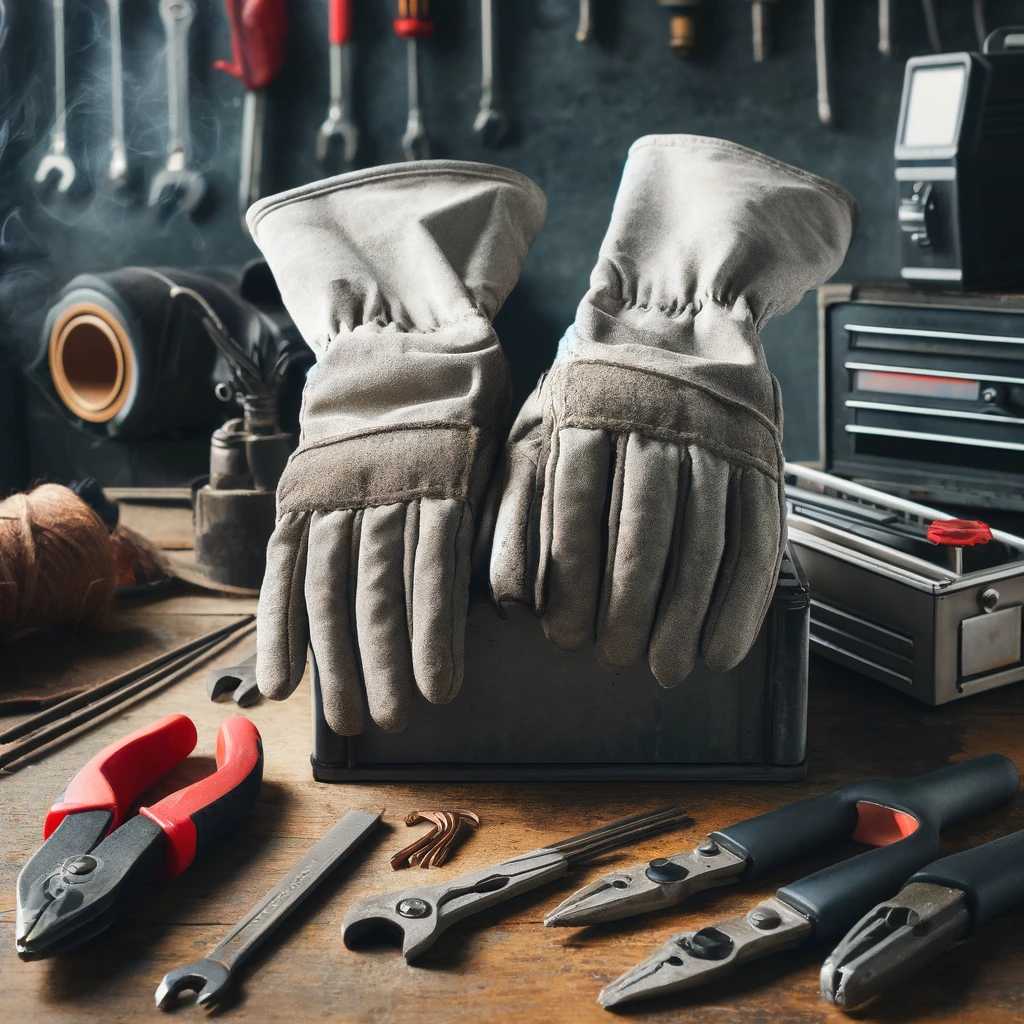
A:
(490, 124)
(339, 123)
(177, 185)
(57, 162)
(258, 30)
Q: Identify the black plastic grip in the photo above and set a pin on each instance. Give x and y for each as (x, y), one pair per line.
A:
(837, 896)
(941, 798)
(991, 876)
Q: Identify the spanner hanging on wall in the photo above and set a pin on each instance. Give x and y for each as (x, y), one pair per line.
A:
(258, 30)
(177, 185)
(339, 123)
(57, 161)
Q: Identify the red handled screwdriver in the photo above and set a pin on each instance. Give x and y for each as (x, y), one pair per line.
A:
(258, 30)
(413, 24)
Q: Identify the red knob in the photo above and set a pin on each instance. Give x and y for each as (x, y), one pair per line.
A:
(959, 533)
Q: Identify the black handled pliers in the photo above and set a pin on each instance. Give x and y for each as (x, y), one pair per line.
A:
(901, 818)
(942, 903)
(96, 858)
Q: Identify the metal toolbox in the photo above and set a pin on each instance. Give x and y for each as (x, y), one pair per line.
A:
(529, 711)
(922, 393)
(937, 623)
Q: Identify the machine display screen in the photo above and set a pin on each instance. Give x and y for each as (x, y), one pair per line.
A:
(917, 384)
(933, 105)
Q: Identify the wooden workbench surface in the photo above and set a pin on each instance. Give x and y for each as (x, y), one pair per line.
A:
(501, 965)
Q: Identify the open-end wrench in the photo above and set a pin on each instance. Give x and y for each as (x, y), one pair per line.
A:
(491, 124)
(339, 123)
(821, 42)
(211, 977)
(117, 170)
(413, 24)
(57, 161)
(177, 184)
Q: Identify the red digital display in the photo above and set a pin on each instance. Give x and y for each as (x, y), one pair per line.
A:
(918, 384)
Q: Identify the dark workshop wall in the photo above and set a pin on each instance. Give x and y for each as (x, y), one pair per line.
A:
(576, 108)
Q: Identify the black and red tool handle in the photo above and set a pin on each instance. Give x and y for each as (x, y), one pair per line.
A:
(258, 32)
(113, 779)
(195, 818)
(413, 21)
(837, 896)
(877, 813)
(990, 876)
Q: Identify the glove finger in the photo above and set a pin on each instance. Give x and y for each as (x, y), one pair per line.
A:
(699, 539)
(440, 597)
(330, 589)
(640, 527)
(381, 622)
(282, 630)
(514, 549)
(755, 535)
(575, 510)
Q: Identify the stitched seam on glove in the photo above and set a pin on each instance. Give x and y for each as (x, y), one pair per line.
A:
(361, 470)
(385, 318)
(436, 168)
(391, 428)
(679, 385)
(730, 455)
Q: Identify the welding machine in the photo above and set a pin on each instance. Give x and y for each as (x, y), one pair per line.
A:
(959, 166)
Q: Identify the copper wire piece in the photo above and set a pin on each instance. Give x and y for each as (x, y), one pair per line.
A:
(432, 849)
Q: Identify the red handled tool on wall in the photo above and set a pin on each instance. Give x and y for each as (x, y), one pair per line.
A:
(96, 859)
(339, 123)
(258, 30)
(900, 818)
(413, 24)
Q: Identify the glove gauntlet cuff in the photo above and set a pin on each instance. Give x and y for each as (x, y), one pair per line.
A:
(384, 467)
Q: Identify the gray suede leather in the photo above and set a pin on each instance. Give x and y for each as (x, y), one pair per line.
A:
(393, 276)
(642, 495)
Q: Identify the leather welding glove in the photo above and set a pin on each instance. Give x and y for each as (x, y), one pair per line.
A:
(393, 276)
(642, 499)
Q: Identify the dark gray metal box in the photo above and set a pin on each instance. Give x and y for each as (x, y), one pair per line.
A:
(529, 711)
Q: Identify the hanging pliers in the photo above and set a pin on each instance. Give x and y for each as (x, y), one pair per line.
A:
(942, 903)
(902, 818)
(96, 859)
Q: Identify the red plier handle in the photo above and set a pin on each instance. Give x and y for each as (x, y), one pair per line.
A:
(195, 818)
(258, 31)
(114, 778)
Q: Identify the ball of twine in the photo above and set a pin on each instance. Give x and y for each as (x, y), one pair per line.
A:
(57, 564)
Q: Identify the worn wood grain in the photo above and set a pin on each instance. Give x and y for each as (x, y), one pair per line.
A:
(501, 965)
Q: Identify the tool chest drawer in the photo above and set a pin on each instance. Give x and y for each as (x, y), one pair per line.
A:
(924, 394)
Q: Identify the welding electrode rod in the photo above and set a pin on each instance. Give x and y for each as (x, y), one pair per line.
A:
(821, 41)
(84, 707)
(608, 837)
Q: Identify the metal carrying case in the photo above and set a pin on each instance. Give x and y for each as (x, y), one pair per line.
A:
(529, 711)
(936, 622)
(922, 393)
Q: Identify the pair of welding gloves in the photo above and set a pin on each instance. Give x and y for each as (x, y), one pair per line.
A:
(639, 500)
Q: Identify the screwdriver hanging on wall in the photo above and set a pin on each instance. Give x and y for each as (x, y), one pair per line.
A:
(682, 25)
(413, 24)
(258, 30)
